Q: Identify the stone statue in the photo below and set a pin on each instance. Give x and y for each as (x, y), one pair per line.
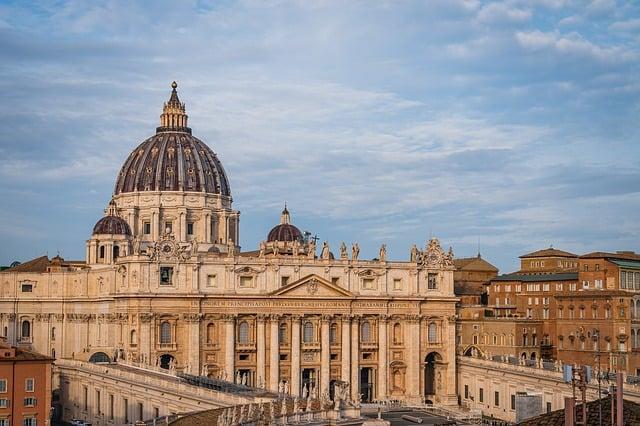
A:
(172, 365)
(283, 408)
(311, 254)
(286, 388)
(305, 391)
(297, 405)
(343, 251)
(313, 393)
(413, 257)
(281, 387)
(136, 246)
(295, 248)
(355, 251)
(382, 255)
(325, 254)
(204, 371)
(244, 379)
(272, 410)
(238, 379)
(263, 246)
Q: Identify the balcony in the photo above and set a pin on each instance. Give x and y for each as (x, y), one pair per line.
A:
(311, 346)
(246, 347)
(167, 346)
(368, 346)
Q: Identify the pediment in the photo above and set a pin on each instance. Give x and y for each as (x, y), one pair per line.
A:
(312, 286)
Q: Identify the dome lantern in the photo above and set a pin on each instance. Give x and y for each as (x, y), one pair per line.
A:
(174, 116)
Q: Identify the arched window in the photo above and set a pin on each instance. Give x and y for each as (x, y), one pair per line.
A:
(333, 333)
(101, 252)
(307, 332)
(165, 332)
(133, 338)
(210, 331)
(243, 332)
(53, 333)
(116, 252)
(433, 332)
(397, 333)
(26, 329)
(282, 334)
(365, 330)
(53, 353)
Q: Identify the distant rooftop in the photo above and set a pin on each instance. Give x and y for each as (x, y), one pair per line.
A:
(550, 252)
(567, 276)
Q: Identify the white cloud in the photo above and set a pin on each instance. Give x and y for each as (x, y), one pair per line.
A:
(502, 12)
(626, 26)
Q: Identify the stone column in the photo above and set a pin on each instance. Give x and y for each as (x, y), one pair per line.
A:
(345, 359)
(355, 358)
(295, 355)
(382, 357)
(412, 337)
(155, 225)
(193, 324)
(450, 397)
(325, 368)
(274, 353)
(261, 351)
(207, 228)
(229, 346)
(147, 325)
(183, 226)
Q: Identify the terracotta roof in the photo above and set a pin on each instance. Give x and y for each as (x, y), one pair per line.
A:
(626, 255)
(550, 252)
(631, 414)
(24, 355)
(474, 264)
(39, 264)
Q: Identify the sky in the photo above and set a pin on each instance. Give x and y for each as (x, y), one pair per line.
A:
(505, 126)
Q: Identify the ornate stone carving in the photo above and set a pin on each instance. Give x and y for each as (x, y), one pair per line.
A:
(169, 249)
(146, 316)
(355, 251)
(433, 257)
(191, 317)
(312, 286)
(326, 318)
(343, 251)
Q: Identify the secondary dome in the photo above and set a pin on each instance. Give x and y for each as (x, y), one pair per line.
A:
(173, 160)
(285, 231)
(112, 223)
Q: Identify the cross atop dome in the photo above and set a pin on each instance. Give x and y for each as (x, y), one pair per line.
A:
(285, 218)
(173, 117)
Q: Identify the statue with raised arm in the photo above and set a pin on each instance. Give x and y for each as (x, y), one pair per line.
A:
(355, 251)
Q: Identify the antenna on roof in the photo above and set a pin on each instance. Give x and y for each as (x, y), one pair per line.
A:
(479, 256)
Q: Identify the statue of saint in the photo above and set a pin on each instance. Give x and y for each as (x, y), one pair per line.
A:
(355, 251)
(325, 251)
(343, 251)
(382, 255)
(413, 257)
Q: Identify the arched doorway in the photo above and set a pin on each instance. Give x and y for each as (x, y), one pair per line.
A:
(166, 360)
(473, 351)
(431, 373)
(99, 357)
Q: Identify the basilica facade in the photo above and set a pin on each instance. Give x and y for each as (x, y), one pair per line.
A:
(165, 283)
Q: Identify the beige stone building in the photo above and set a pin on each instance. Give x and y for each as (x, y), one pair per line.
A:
(165, 283)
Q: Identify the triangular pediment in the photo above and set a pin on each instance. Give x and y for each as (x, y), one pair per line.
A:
(312, 286)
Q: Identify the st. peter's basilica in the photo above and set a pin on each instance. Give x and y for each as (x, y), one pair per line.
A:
(166, 283)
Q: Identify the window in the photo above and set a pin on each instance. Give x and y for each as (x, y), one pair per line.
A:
(101, 252)
(333, 333)
(545, 287)
(146, 228)
(28, 385)
(210, 333)
(581, 313)
(165, 333)
(621, 312)
(560, 313)
(397, 333)
(597, 284)
(432, 281)
(335, 280)
(29, 421)
(140, 411)
(545, 313)
(125, 404)
(85, 398)
(53, 333)
(530, 301)
(307, 332)
(529, 313)
(133, 340)
(365, 332)
(481, 395)
(246, 282)
(243, 333)
(466, 391)
(513, 402)
(368, 283)
(156, 412)
(545, 300)
(212, 280)
(475, 339)
(433, 332)
(558, 286)
(585, 285)
(284, 281)
(98, 402)
(496, 398)
(572, 286)
(571, 313)
(4, 422)
(26, 288)
(189, 228)
(26, 329)
(548, 403)
(518, 288)
(3, 385)
(168, 226)
(397, 284)
(166, 275)
(4, 402)
(282, 334)
(586, 268)
(111, 406)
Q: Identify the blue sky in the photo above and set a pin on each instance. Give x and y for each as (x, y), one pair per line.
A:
(510, 123)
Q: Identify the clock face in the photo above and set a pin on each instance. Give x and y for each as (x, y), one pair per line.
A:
(167, 248)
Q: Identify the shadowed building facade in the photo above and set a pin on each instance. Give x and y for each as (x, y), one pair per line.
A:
(165, 283)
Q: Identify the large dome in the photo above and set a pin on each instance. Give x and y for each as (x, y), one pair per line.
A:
(111, 223)
(284, 231)
(172, 159)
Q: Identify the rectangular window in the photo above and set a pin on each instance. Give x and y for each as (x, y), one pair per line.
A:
(4, 402)
(4, 422)
(166, 275)
(246, 282)
(585, 285)
(545, 313)
(518, 288)
(156, 412)
(513, 402)
(397, 284)
(572, 286)
(212, 280)
(140, 411)
(368, 283)
(146, 228)
(190, 228)
(125, 403)
(98, 403)
(558, 286)
(432, 281)
(85, 398)
(28, 385)
(481, 395)
(29, 421)
(496, 398)
(545, 287)
(548, 407)
(168, 227)
(30, 402)
(335, 280)
(26, 288)
(466, 391)
(111, 406)
(530, 301)
(284, 281)
(3, 385)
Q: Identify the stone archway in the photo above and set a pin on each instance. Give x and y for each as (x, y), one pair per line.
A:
(99, 357)
(473, 351)
(166, 361)
(432, 375)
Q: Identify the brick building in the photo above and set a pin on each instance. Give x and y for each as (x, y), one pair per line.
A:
(470, 279)
(25, 387)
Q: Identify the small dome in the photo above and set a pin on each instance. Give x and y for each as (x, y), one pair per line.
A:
(112, 223)
(285, 231)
